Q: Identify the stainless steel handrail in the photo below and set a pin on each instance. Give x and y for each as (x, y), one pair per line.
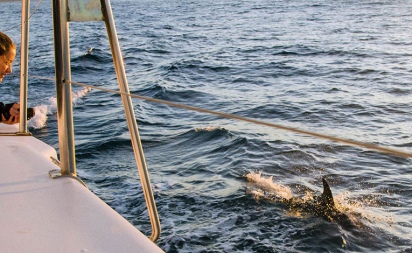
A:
(64, 101)
(131, 119)
(24, 47)
(63, 89)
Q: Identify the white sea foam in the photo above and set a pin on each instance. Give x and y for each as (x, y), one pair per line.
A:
(208, 128)
(261, 183)
(76, 96)
(41, 111)
(40, 117)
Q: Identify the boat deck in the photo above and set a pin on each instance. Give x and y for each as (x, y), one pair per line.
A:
(40, 214)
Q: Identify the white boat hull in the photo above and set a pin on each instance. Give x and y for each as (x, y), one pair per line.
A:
(40, 214)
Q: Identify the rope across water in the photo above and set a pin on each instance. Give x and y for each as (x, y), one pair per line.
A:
(374, 147)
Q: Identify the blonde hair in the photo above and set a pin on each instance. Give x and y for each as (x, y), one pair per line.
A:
(5, 44)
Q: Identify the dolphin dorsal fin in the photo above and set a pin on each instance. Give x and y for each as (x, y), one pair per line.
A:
(327, 194)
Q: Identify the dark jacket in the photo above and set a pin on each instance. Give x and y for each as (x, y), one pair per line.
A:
(5, 110)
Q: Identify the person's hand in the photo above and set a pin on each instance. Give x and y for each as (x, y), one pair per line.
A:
(15, 110)
(14, 115)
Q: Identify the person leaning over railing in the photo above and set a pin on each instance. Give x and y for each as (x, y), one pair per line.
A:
(9, 112)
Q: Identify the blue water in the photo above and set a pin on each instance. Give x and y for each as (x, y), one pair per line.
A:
(340, 68)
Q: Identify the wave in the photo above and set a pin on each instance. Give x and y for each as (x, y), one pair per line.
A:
(209, 128)
(260, 184)
(360, 210)
(42, 111)
(94, 55)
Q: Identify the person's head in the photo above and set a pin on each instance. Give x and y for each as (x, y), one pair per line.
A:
(7, 55)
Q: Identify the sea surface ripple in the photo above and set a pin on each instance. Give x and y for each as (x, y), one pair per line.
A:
(340, 68)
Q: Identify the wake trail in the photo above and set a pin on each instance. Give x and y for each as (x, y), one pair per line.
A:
(259, 185)
(42, 111)
(361, 209)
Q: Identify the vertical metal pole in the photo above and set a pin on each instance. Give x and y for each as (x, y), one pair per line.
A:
(63, 88)
(130, 117)
(24, 56)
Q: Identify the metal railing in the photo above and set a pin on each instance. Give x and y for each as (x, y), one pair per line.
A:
(61, 18)
(24, 47)
(131, 119)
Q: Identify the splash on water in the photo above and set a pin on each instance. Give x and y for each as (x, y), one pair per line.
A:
(42, 111)
(89, 51)
(260, 185)
(76, 96)
(40, 117)
(357, 210)
(209, 128)
(368, 207)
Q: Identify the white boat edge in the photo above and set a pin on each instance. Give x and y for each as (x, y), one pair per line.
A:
(41, 214)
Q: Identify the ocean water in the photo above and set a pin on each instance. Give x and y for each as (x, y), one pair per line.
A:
(341, 68)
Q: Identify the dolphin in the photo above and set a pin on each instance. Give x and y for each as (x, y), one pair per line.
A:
(322, 205)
